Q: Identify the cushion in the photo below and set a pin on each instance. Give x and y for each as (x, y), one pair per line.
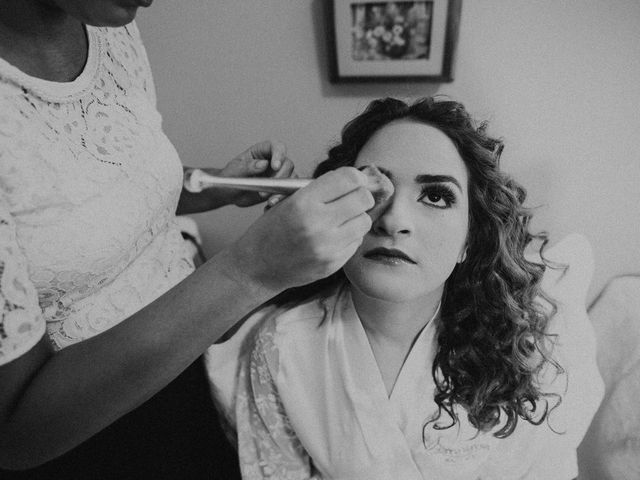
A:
(611, 449)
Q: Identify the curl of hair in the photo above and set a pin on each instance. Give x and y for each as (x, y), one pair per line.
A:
(491, 336)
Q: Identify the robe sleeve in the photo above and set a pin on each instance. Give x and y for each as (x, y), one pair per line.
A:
(267, 445)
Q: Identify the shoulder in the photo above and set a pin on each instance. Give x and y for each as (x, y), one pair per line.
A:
(260, 341)
(260, 331)
(568, 273)
(133, 31)
(295, 321)
(124, 51)
(567, 281)
(125, 36)
(294, 332)
(8, 91)
(125, 40)
(13, 98)
(572, 336)
(571, 269)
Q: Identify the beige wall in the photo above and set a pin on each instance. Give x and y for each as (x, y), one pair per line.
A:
(559, 81)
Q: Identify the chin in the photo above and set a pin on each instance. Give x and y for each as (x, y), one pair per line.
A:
(386, 289)
(116, 16)
(391, 285)
(387, 295)
(120, 18)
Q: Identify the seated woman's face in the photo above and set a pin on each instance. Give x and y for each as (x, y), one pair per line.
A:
(417, 241)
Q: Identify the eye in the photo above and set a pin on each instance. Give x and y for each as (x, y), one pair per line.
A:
(437, 196)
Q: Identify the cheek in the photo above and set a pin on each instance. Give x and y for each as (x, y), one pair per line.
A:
(447, 239)
(353, 264)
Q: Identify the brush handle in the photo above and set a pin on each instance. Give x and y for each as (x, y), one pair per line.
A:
(196, 180)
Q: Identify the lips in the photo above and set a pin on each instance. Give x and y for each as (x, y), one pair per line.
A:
(388, 255)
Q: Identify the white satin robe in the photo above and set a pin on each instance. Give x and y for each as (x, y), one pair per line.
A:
(308, 401)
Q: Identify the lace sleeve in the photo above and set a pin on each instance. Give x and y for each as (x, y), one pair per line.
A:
(267, 445)
(21, 323)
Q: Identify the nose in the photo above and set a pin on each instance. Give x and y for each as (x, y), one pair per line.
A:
(395, 218)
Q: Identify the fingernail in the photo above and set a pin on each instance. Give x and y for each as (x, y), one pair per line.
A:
(276, 164)
(261, 164)
(274, 199)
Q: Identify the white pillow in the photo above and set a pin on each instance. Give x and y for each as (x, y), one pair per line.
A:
(611, 450)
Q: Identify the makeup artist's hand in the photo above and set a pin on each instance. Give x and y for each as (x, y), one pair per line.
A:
(308, 235)
(264, 159)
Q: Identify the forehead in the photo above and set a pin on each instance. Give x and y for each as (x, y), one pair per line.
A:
(409, 148)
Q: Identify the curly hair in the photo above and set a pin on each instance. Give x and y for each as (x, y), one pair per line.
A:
(491, 337)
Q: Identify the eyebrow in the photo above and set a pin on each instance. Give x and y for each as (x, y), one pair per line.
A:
(425, 178)
(438, 179)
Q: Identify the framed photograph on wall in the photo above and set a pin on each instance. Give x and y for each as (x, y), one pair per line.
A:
(393, 41)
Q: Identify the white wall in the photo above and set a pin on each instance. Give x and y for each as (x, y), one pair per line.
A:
(559, 81)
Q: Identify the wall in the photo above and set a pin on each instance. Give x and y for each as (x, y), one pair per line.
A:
(559, 81)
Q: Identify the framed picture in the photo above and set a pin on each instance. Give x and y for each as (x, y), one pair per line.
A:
(392, 41)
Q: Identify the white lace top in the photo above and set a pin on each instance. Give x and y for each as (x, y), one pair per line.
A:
(303, 390)
(88, 190)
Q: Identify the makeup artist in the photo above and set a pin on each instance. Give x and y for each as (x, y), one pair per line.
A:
(103, 317)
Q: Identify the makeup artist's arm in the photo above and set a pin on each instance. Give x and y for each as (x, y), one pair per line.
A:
(51, 402)
(265, 159)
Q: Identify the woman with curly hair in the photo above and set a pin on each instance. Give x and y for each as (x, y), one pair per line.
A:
(434, 353)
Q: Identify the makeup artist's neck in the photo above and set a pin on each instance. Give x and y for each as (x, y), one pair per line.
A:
(397, 323)
(42, 40)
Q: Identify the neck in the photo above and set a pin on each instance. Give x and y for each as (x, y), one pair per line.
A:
(392, 328)
(33, 19)
(395, 323)
(42, 40)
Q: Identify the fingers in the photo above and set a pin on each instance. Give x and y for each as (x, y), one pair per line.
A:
(310, 234)
(271, 150)
(256, 167)
(286, 171)
(355, 229)
(340, 195)
(278, 155)
(337, 183)
(286, 168)
(352, 205)
(271, 159)
(273, 201)
(334, 245)
(343, 193)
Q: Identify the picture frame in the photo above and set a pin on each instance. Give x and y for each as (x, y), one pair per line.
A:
(381, 41)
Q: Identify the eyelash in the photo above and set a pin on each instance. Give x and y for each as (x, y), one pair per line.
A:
(441, 191)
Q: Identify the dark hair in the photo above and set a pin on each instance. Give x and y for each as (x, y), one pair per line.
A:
(492, 341)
